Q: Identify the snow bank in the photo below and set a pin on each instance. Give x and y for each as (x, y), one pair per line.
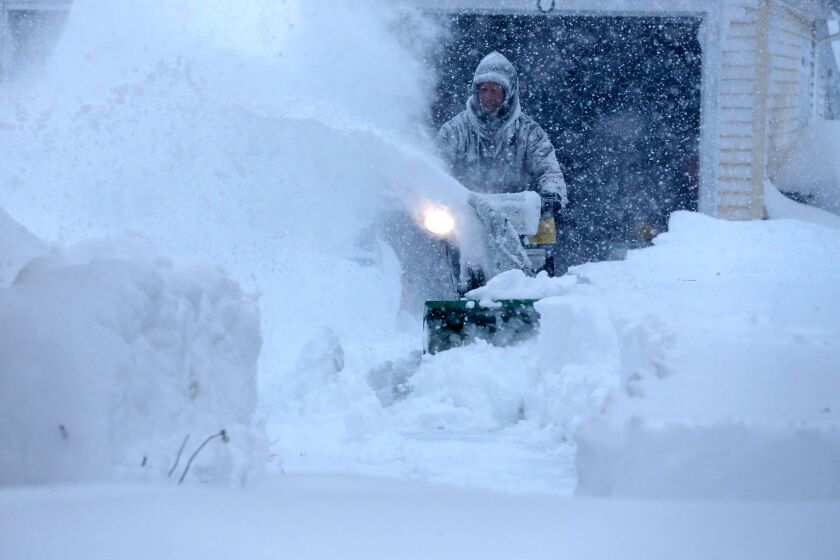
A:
(811, 169)
(701, 368)
(780, 207)
(743, 401)
(113, 355)
(723, 460)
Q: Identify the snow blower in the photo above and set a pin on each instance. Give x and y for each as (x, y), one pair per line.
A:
(518, 236)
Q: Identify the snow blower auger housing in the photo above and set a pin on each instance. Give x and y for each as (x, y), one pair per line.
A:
(453, 323)
(519, 236)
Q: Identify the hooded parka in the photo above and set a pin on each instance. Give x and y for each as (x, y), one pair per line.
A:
(502, 152)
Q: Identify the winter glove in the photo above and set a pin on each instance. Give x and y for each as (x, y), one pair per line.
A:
(552, 204)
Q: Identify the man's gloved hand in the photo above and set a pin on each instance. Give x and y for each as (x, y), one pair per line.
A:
(552, 204)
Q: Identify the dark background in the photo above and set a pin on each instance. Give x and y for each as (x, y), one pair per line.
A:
(620, 99)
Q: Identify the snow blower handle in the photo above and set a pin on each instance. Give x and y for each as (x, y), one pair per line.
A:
(552, 205)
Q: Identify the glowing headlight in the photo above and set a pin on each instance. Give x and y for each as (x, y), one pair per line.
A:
(438, 220)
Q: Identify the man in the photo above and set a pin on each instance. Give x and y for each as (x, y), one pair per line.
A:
(493, 147)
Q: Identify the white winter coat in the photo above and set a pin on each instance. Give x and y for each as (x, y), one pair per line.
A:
(505, 152)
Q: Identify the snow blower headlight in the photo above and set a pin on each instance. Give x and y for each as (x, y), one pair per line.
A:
(438, 220)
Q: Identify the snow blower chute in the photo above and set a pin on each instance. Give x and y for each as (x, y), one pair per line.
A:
(518, 236)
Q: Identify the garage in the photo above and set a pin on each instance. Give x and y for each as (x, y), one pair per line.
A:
(619, 98)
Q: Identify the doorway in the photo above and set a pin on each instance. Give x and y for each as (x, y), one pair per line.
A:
(620, 99)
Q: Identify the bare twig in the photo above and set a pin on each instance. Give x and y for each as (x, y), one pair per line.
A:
(222, 434)
(178, 457)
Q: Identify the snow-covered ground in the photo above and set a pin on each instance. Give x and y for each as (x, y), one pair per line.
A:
(742, 397)
(357, 518)
(692, 388)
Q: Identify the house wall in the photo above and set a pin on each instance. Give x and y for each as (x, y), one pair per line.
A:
(740, 143)
(792, 102)
(768, 92)
(827, 94)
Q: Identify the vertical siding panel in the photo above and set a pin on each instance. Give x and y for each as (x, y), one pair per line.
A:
(792, 85)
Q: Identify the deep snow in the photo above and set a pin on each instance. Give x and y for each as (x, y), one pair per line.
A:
(721, 329)
(742, 399)
(701, 368)
(113, 355)
(810, 169)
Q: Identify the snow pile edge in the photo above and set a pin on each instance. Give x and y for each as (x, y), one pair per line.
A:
(113, 357)
(744, 401)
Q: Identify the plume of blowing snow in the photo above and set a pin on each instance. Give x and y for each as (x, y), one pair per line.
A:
(261, 135)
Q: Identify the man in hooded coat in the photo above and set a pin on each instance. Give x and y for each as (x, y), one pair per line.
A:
(493, 147)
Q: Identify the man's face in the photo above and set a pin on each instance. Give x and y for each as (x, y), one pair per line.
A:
(491, 96)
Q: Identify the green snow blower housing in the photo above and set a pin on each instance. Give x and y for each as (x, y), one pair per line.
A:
(452, 323)
(520, 235)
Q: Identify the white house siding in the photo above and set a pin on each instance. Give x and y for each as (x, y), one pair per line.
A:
(792, 77)
(827, 94)
(768, 91)
(737, 106)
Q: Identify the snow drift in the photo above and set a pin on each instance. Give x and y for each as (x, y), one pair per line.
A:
(743, 401)
(113, 355)
(810, 170)
(702, 367)
(781, 207)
